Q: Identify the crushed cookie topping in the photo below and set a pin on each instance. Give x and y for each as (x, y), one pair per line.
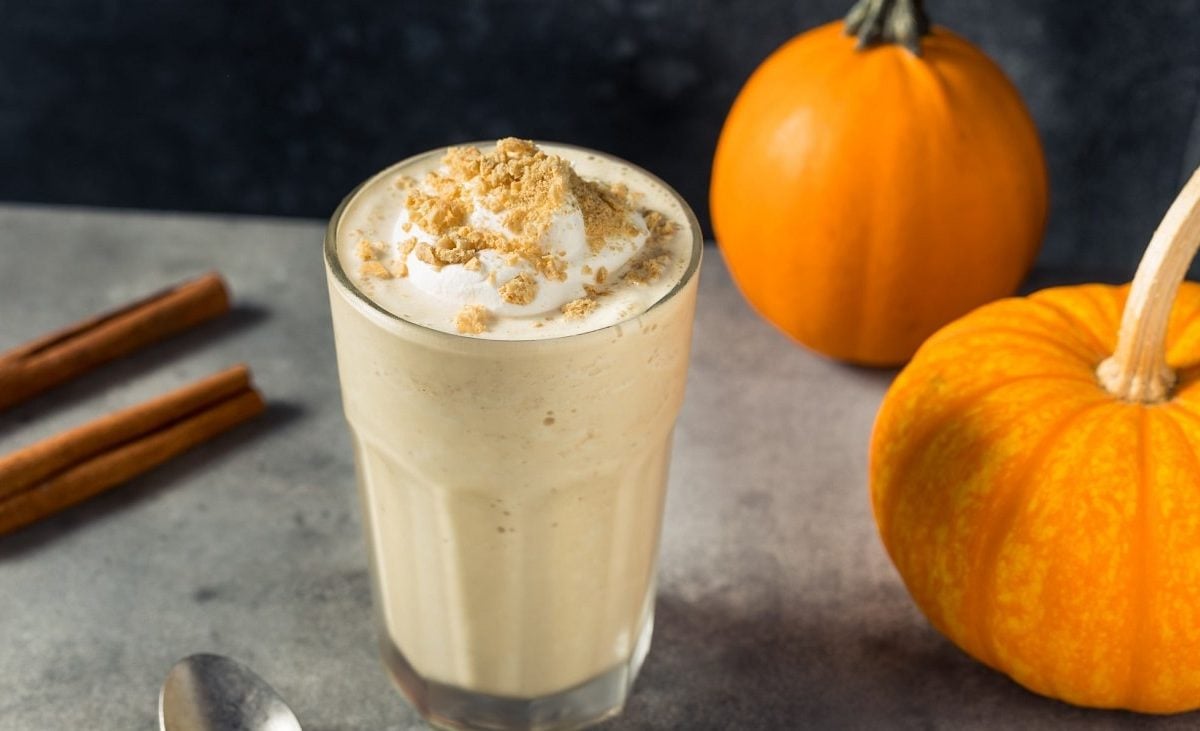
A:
(520, 191)
(647, 268)
(525, 187)
(440, 211)
(661, 228)
(424, 252)
(371, 267)
(400, 268)
(579, 308)
(365, 250)
(472, 319)
(374, 268)
(520, 290)
(605, 211)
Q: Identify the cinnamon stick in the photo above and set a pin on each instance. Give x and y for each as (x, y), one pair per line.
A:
(67, 469)
(48, 361)
(26, 467)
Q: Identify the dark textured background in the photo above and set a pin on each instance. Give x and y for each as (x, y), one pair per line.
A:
(280, 108)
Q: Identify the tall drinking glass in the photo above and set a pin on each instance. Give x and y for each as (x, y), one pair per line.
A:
(512, 495)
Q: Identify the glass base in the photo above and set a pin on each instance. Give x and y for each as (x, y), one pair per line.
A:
(449, 707)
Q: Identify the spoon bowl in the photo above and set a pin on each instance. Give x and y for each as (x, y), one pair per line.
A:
(215, 693)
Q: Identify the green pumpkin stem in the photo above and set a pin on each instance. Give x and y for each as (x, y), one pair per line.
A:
(888, 21)
(1138, 370)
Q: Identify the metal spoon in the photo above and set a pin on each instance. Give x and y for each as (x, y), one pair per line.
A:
(215, 693)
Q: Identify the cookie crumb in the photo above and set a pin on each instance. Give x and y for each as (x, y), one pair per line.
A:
(520, 290)
(365, 251)
(661, 228)
(400, 268)
(425, 253)
(375, 269)
(472, 264)
(441, 211)
(606, 211)
(647, 269)
(578, 309)
(601, 275)
(472, 319)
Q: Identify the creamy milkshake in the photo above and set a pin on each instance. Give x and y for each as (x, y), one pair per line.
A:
(512, 325)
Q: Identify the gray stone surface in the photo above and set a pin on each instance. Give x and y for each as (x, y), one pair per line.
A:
(778, 608)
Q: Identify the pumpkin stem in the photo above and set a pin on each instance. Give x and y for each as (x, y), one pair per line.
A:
(888, 21)
(1137, 370)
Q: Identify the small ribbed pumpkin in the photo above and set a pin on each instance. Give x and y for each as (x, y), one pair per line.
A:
(1035, 477)
(866, 192)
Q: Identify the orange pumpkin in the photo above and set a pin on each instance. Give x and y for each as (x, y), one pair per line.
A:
(864, 196)
(1035, 476)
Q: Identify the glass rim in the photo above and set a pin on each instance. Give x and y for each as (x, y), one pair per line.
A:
(333, 261)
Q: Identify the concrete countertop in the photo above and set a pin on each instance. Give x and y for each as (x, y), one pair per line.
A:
(777, 606)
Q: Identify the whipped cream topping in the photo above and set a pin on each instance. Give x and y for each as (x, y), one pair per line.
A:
(515, 243)
(562, 237)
